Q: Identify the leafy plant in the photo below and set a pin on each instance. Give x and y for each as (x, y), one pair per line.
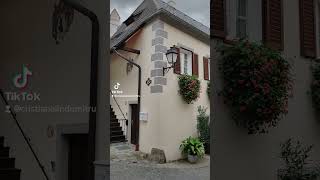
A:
(315, 87)
(192, 146)
(203, 127)
(208, 89)
(189, 88)
(257, 81)
(297, 166)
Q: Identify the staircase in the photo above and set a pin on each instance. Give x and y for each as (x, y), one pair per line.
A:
(117, 134)
(7, 164)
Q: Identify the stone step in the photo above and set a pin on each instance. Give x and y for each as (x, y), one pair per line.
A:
(4, 152)
(1, 141)
(116, 133)
(10, 174)
(116, 128)
(120, 138)
(7, 163)
(115, 124)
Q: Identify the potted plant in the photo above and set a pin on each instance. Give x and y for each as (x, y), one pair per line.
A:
(297, 166)
(193, 148)
(204, 128)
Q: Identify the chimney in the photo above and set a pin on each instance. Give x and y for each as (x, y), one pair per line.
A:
(114, 21)
(172, 3)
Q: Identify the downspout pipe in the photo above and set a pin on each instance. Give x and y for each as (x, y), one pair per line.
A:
(93, 81)
(139, 91)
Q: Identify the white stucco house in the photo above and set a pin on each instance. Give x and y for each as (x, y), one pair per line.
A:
(165, 119)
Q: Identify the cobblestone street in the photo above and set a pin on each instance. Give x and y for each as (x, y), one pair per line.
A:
(126, 166)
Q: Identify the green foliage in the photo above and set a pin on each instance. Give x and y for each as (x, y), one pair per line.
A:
(192, 146)
(189, 88)
(203, 125)
(315, 87)
(297, 166)
(208, 89)
(257, 81)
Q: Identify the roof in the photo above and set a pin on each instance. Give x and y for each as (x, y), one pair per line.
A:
(150, 9)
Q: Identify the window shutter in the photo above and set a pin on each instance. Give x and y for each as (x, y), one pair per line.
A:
(307, 28)
(177, 68)
(206, 68)
(195, 66)
(273, 23)
(217, 18)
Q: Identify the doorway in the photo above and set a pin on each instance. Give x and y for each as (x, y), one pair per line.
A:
(134, 123)
(77, 157)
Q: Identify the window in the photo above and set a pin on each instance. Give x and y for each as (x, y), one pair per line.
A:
(186, 63)
(242, 18)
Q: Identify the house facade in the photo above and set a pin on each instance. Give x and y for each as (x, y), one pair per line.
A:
(292, 27)
(165, 119)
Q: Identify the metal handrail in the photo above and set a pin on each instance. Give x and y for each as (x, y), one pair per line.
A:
(118, 106)
(27, 140)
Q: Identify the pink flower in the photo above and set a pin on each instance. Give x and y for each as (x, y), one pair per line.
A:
(243, 108)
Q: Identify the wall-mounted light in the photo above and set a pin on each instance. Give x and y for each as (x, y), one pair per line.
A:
(172, 55)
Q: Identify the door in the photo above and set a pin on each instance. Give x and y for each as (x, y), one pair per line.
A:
(78, 157)
(134, 123)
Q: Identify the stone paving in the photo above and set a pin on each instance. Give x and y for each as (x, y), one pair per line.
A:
(126, 164)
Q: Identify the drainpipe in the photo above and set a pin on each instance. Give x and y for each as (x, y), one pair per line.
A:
(139, 91)
(93, 80)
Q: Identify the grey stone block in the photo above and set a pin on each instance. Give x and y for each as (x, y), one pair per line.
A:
(157, 57)
(161, 33)
(156, 72)
(161, 48)
(158, 25)
(160, 64)
(156, 89)
(158, 40)
(160, 81)
(158, 156)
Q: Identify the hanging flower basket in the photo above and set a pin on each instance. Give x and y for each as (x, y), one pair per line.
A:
(257, 81)
(189, 88)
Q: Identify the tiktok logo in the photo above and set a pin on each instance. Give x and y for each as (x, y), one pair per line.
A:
(117, 86)
(21, 80)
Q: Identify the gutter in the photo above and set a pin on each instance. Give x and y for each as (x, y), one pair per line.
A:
(93, 81)
(139, 91)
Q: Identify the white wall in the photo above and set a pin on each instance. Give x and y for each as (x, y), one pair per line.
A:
(179, 119)
(129, 85)
(253, 157)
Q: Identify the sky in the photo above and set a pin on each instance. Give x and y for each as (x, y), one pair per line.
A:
(197, 9)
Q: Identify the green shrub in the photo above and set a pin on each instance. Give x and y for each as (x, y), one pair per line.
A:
(297, 166)
(208, 89)
(204, 127)
(189, 88)
(315, 87)
(192, 146)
